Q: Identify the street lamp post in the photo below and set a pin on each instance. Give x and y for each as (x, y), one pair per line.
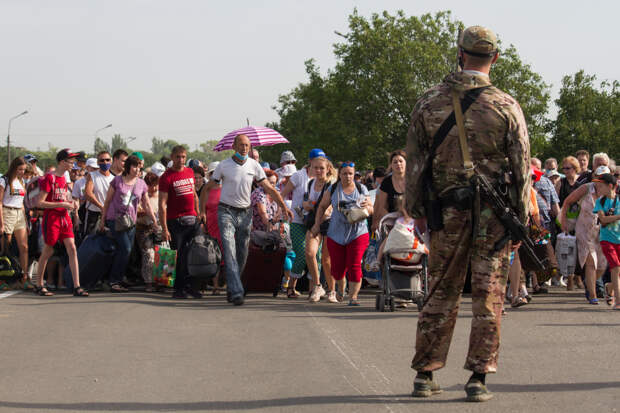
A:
(8, 138)
(95, 136)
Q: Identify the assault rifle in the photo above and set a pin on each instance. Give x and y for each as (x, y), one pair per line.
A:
(515, 230)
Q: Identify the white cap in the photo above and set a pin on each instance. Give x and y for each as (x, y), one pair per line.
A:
(158, 169)
(92, 162)
(212, 166)
(287, 170)
(602, 170)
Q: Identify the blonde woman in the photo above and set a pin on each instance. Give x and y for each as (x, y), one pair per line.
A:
(324, 176)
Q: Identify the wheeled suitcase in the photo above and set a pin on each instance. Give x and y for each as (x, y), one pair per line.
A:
(95, 257)
(263, 270)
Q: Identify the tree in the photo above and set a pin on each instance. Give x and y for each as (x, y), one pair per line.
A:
(118, 143)
(588, 117)
(101, 145)
(360, 109)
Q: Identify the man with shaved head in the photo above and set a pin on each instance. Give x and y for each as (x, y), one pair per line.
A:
(234, 215)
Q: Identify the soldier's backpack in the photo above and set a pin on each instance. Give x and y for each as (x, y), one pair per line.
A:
(203, 255)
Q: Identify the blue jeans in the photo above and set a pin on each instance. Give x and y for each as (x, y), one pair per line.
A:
(124, 244)
(235, 225)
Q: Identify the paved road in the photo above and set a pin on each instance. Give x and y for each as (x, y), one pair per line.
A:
(141, 353)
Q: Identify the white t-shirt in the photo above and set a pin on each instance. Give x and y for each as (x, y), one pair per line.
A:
(101, 184)
(78, 188)
(300, 182)
(237, 181)
(14, 198)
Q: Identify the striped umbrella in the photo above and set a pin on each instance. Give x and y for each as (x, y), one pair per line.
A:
(259, 136)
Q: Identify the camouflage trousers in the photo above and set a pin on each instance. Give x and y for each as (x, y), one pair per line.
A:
(452, 249)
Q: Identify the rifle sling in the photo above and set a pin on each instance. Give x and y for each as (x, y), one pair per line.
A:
(470, 97)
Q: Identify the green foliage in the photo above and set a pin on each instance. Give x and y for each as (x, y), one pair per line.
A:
(360, 109)
(588, 117)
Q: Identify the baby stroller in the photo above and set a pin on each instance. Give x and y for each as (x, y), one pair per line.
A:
(401, 279)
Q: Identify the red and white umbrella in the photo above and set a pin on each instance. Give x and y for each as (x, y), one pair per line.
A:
(259, 136)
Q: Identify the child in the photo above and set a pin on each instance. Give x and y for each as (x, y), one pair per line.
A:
(608, 209)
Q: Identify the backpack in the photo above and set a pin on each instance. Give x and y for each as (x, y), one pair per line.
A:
(33, 191)
(203, 255)
(267, 241)
(10, 270)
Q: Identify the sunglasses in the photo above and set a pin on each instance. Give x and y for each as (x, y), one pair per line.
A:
(104, 160)
(348, 164)
(566, 168)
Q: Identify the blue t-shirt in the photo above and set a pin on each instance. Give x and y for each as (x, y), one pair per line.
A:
(340, 231)
(610, 232)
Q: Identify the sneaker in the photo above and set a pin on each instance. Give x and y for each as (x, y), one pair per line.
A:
(331, 297)
(477, 392)
(425, 387)
(317, 293)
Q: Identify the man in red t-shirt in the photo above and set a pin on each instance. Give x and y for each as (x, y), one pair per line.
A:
(55, 198)
(178, 209)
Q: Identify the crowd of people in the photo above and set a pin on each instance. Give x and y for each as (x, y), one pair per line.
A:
(326, 212)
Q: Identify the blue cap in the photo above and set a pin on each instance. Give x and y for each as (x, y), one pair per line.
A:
(264, 165)
(316, 153)
(193, 163)
(29, 157)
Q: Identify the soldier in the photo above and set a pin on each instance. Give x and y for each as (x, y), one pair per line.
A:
(439, 189)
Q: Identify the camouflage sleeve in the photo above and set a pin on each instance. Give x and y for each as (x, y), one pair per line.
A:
(417, 158)
(518, 148)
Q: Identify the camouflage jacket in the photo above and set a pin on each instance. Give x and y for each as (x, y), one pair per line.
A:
(496, 135)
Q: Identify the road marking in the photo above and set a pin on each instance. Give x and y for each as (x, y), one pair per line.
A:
(363, 370)
(8, 294)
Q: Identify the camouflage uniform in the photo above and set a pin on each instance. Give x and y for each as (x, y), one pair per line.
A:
(498, 141)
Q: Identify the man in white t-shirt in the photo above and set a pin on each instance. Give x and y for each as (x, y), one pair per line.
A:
(96, 190)
(234, 215)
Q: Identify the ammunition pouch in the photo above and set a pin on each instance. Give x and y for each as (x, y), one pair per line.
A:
(434, 214)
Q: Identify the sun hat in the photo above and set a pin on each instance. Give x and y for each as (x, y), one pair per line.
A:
(287, 156)
(158, 169)
(92, 162)
(212, 166)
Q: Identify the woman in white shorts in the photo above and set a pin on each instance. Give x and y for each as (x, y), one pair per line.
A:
(12, 213)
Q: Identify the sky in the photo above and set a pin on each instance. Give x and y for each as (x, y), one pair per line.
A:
(195, 70)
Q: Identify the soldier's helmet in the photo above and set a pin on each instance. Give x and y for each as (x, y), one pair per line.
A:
(478, 41)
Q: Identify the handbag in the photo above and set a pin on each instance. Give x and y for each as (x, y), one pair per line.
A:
(125, 222)
(355, 214)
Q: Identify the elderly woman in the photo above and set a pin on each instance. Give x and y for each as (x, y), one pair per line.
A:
(126, 192)
(264, 209)
(587, 230)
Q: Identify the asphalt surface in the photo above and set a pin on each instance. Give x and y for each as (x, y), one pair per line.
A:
(139, 352)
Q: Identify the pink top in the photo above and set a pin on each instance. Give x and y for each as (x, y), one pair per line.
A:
(213, 200)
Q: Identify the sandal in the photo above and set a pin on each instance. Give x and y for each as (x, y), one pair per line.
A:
(518, 302)
(290, 293)
(354, 302)
(80, 292)
(609, 298)
(42, 291)
(117, 288)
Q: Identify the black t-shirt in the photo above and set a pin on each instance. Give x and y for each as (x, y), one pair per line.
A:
(393, 196)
